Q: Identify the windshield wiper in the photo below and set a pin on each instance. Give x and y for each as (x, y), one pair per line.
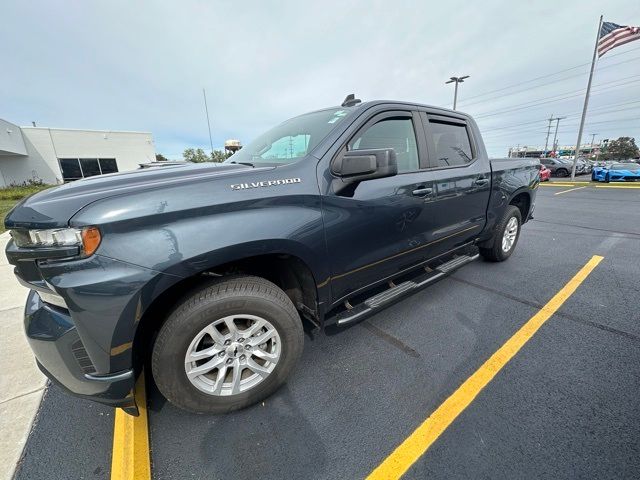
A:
(243, 163)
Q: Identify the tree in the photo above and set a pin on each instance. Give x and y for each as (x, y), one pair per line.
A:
(621, 149)
(198, 155)
(219, 156)
(160, 158)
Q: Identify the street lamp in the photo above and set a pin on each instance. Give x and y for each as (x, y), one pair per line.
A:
(457, 80)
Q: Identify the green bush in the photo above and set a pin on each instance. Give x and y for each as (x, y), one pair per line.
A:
(18, 192)
(11, 195)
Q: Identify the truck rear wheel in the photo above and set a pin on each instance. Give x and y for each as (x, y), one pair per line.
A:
(227, 346)
(506, 236)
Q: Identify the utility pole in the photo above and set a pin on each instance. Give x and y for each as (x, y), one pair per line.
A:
(546, 142)
(586, 101)
(206, 109)
(555, 135)
(593, 137)
(457, 80)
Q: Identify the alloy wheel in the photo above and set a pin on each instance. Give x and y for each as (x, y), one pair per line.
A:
(232, 355)
(510, 233)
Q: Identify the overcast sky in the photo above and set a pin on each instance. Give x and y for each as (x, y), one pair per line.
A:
(123, 65)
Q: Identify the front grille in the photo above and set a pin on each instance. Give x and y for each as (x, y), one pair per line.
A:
(82, 358)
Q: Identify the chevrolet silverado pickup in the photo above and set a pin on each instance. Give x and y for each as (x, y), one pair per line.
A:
(205, 273)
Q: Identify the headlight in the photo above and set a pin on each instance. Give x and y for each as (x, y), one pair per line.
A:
(88, 238)
(55, 238)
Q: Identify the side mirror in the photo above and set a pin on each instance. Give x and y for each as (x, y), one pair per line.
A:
(359, 165)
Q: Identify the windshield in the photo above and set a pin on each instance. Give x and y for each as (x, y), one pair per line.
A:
(291, 140)
(625, 166)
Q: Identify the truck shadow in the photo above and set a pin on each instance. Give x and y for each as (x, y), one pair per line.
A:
(273, 439)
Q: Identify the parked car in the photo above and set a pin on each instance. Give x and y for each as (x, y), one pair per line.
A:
(616, 172)
(583, 166)
(545, 173)
(206, 271)
(558, 167)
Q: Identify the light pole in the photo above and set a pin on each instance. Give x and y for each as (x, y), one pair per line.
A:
(555, 135)
(457, 80)
(593, 137)
(546, 142)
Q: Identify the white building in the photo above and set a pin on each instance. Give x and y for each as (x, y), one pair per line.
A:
(57, 155)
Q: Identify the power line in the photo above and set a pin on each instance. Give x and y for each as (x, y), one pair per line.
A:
(535, 103)
(542, 84)
(514, 128)
(490, 131)
(538, 129)
(547, 75)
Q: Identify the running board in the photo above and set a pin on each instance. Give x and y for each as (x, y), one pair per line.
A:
(389, 296)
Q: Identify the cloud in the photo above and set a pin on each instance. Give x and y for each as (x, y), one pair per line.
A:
(142, 65)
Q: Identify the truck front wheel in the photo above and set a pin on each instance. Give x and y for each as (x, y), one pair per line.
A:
(227, 346)
(506, 236)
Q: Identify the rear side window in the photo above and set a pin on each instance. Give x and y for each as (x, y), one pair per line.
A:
(452, 144)
(396, 133)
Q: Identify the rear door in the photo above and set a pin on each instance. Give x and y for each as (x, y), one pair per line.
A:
(461, 178)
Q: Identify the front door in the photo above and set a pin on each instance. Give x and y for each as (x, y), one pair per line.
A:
(379, 228)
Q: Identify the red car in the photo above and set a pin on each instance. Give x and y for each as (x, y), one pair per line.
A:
(545, 173)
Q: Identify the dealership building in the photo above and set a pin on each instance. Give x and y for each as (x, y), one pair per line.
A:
(57, 155)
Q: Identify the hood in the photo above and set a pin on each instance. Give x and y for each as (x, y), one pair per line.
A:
(54, 207)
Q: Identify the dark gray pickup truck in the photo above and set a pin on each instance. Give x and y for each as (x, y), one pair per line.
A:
(206, 273)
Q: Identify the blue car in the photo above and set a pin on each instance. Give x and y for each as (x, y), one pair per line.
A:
(616, 172)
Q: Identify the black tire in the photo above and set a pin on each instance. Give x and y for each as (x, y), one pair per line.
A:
(494, 251)
(242, 295)
(593, 177)
(607, 178)
(561, 172)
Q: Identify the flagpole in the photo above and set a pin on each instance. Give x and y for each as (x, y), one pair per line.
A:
(586, 102)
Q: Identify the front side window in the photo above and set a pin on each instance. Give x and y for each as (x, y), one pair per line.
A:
(396, 133)
(452, 144)
(291, 140)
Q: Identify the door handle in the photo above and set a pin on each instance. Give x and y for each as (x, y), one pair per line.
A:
(422, 191)
(481, 181)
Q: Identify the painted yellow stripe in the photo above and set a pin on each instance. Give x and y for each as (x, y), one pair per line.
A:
(409, 451)
(570, 190)
(130, 459)
(557, 185)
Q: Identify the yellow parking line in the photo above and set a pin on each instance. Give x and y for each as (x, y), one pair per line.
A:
(130, 459)
(559, 184)
(416, 444)
(570, 190)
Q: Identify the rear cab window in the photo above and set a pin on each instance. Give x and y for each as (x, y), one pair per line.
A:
(450, 141)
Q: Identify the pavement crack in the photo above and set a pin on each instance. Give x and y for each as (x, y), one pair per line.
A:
(536, 305)
(390, 339)
(23, 394)
(564, 224)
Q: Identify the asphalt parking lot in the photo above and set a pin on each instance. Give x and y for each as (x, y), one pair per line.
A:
(567, 405)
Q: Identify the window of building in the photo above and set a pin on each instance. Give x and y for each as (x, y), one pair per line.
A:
(396, 133)
(77, 168)
(453, 147)
(90, 167)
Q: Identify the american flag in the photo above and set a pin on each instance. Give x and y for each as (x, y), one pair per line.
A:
(613, 35)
